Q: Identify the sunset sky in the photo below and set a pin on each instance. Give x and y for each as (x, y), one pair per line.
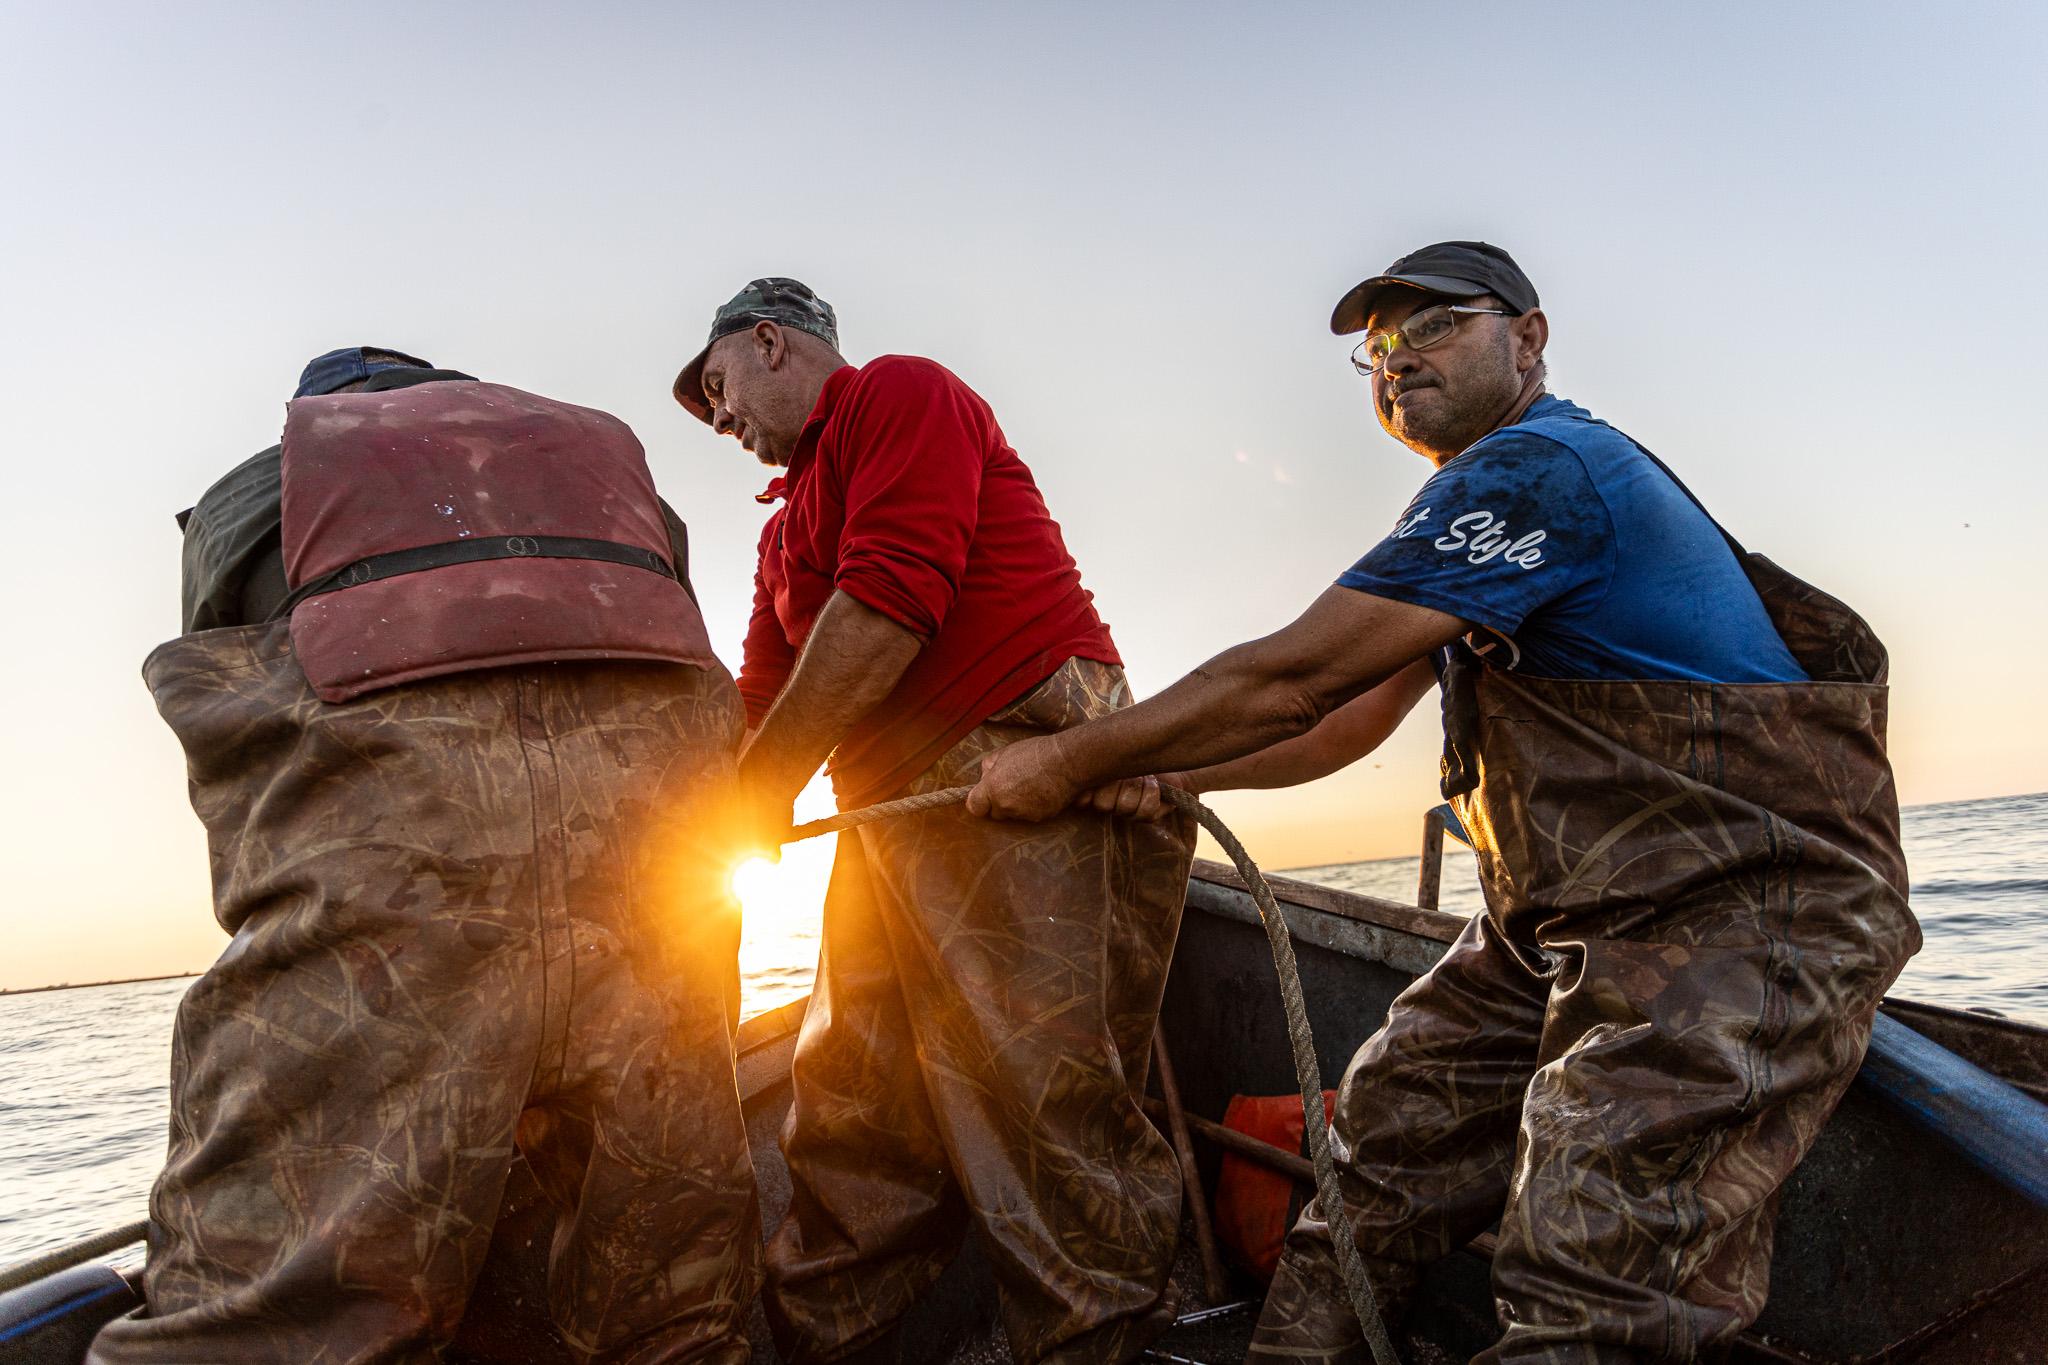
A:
(1796, 250)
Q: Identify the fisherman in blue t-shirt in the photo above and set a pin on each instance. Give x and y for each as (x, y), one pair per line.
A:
(1669, 754)
(1573, 552)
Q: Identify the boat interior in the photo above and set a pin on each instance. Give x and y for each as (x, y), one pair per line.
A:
(1894, 1242)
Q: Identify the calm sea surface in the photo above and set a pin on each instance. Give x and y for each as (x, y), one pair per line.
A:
(82, 1072)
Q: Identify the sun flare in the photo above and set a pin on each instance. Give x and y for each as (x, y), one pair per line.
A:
(755, 883)
(783, 900)
(782, 908)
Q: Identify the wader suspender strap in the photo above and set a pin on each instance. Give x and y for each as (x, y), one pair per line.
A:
(1458, 768)
(422, 557)
(1740, 554)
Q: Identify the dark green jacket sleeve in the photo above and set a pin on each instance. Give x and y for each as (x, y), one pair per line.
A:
(234, 555)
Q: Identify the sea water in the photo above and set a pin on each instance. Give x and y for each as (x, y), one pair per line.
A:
(83, 1072)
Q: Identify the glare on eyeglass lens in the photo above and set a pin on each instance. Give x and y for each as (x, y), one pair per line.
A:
(1422, 331)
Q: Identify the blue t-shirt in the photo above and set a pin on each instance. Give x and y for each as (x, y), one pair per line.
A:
(1560, 536)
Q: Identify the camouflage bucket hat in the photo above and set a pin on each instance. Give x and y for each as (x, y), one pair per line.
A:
(777, 299)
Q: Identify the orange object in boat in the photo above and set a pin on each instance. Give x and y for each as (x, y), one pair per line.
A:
(1256, 1205)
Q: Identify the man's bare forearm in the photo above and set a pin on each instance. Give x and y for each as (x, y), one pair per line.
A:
(1343, 737)
(1237, 703)
(853, 659)
(1242, 701)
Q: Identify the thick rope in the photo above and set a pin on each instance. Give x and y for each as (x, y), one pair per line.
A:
(868, 815)
(65, 1257)
(1349, 1264)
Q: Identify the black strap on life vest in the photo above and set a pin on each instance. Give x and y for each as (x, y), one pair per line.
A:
(439, 556)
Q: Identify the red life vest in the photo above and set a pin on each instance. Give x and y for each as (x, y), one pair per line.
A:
(456, 525)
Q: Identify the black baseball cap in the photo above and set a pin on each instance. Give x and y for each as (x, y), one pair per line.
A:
(777, 299)
(1459, 270)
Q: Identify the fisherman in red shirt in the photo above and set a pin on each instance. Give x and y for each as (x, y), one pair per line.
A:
(977, 1042)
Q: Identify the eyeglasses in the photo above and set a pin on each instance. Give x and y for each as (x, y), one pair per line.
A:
(1421, 331)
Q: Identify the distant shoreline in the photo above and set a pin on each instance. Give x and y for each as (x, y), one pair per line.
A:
(88, 985)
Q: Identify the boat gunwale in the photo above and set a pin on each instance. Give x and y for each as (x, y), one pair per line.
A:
(778, 1026)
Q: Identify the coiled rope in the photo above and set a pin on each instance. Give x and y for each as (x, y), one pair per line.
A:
(1349, 1264)
(1306, 1072)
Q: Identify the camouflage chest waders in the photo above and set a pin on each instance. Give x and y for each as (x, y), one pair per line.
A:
(1695, 898)
(974, 1057)
(468, 916)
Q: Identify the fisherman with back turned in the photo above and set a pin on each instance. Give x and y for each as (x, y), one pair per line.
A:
(976, 1047)
(453, 725)
(1670, 756)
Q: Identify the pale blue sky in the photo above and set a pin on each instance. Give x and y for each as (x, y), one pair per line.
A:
(1794, 249)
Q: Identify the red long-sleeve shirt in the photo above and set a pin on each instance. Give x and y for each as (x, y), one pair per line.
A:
(903, 493)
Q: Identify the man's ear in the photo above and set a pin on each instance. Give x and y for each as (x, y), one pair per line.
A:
(770, 345)
(1531, 333)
